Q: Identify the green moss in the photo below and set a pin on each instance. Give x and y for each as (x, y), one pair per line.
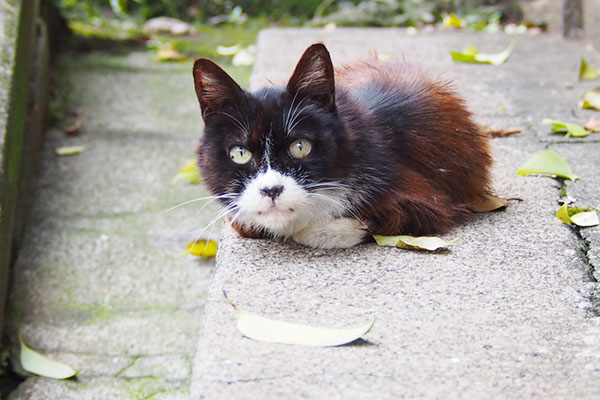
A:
(576, 210)
(147, 387)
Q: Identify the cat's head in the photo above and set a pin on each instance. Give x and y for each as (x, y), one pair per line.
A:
(277, 157)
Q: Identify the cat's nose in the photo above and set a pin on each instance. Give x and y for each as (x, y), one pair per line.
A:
(273, 192)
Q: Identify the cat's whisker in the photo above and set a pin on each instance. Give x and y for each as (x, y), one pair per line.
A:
(217, 218)
(244, 127)
(286, 117)
(211, 198)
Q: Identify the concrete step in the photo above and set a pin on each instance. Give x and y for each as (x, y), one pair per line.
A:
(510, 312)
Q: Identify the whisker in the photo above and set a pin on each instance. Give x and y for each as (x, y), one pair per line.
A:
(211, 198)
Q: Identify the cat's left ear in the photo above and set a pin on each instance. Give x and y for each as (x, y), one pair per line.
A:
(314, 76)
(215, 89)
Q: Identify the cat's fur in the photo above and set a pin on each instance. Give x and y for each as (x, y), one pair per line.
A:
(393, 152)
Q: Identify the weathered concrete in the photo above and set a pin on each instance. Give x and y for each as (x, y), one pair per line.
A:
(511, 312)
(101, 282)
(24, 58)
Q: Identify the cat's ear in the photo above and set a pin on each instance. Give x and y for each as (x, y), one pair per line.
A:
(215, 89)
(313, 76)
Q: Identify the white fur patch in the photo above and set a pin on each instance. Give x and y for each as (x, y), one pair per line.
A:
(337, 233)
(292, 210)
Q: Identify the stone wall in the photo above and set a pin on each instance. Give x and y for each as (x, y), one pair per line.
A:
(23, 92)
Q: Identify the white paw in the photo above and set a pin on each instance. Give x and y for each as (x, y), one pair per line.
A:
(337, 233)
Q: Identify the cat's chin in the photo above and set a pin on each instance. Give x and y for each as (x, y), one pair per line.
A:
(276, 220)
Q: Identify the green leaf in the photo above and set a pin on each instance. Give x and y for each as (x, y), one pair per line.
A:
(547, 162)
(569, 129)
(590, 100)
(228, 50)
(263, 329)
(428, 243)
(34, 362)
(189, 172)
(577, 217)
(70, 150)
(588, 72)
(471, 55)
(202, 248)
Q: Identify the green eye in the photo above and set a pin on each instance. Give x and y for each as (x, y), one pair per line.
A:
(300, 148)
(240, 155)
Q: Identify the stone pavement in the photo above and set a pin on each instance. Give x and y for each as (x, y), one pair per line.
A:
(511, 312)
(100, 282)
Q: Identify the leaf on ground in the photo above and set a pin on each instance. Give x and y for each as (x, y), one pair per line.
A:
(189, 172)
(263, 329)
(245, 57)
(547, 162)
(202, 248)
(72, 129)
(593, 125)
(167, 53)
(471, 55)
(35, 363)
(428, 243)
(503, 132)
(488, 203)
(228, 50)
(590, 100)
(568, 128)
(70, 150)
(451, 20)
(582, 218)
(587, 72)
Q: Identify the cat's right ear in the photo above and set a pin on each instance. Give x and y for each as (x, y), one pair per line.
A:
(215, 89)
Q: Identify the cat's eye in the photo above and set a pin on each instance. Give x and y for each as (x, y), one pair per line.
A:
(240, 155)
(300, 148)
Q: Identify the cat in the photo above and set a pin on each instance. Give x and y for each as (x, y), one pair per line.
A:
(336, 156)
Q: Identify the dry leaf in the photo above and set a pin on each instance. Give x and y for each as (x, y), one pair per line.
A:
(503, 132)
(263, 329)
(580, 218)
(593, 125)
(590, 100)
(168, 53)
(72, 129)
(202, 248)
(428, 243)
(488, 203)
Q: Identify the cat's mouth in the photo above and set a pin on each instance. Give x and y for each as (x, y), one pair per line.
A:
(276, 211)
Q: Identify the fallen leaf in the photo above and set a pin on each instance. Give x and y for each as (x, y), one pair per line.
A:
(451, 20)
(569, 128)
(168, 53)
(189, 172)
(228, 50)
(70, 150)
(590, 100)
(547, 162)
(580, 218)
(588, 72)
(244, 57)
(263, 329)
(471, 55)
(586, 218)
(34, 362)
(488, 203)
(428, 243)
(503, 132)
(202, 248)
(593, 125)
(73, 128)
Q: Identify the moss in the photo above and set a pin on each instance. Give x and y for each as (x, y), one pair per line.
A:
(576, 210)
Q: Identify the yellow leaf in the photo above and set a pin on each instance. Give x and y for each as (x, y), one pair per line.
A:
(189, 172)
(168, 53)
(202, 248)
(563, 214)
(428, 243)
(70, 150)
(588, 72)
(580, 218)
(451, 20)
(263, 329)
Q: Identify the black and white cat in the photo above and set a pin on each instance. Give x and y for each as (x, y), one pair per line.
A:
(335, 156)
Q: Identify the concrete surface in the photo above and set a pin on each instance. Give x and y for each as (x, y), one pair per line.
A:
(101, 282)
(511, 312)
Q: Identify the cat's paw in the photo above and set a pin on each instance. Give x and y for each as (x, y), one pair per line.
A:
(337, 233)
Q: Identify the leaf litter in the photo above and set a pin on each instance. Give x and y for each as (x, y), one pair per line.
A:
(579, 217)
(568, 128)
(472, 55)
(427, 243)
